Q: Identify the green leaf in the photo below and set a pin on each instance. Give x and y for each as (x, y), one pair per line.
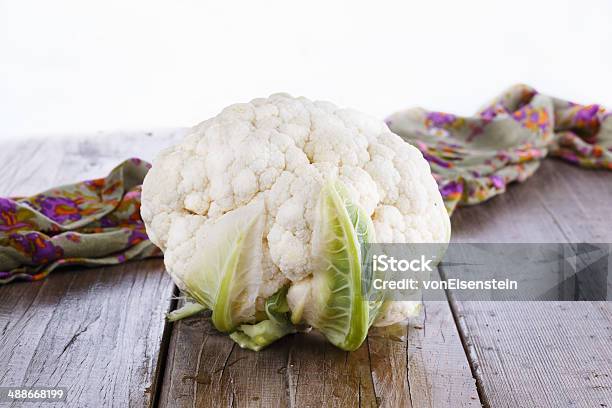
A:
(226, 275)
(188, 309)
(342, 227)
(257, 336)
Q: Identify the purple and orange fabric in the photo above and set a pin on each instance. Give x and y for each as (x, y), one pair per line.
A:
(94, 222)
(475, 158)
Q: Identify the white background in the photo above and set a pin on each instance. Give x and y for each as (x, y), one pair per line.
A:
(70, 66)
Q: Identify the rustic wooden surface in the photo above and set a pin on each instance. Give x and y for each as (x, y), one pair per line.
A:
(424, 366)
(96, 332)
(541, 354)
(101, 332)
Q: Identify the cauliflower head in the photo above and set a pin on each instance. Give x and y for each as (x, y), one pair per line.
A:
(257, 170)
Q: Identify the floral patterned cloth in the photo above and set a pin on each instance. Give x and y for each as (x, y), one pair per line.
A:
(95, 222)
(475, 158)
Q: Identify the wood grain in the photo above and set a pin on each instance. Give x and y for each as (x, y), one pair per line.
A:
(98, 332)
(436, 372)
(206, 368)
(541, 354)
(184, 372)
(31, 166)
(425, 366)
(322, 375)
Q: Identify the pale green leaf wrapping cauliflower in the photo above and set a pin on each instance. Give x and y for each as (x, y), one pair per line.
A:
(261, 210)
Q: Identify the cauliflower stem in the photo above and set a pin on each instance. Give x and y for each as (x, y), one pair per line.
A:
(187, 310)
(257, 336)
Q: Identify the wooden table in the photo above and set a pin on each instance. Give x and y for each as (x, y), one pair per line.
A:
(101, 332)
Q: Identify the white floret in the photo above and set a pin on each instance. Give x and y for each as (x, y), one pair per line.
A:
(398, 311)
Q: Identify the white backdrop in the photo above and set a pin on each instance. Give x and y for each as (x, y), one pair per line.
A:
(70, 66)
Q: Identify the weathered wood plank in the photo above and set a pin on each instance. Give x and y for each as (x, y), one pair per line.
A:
(205, 368)
(436, 372)
(98, 332)
(549, 354)
(31, 166)
(323, 375)
(425, 368)
(540, 354)
(261, 376)
(389, 364)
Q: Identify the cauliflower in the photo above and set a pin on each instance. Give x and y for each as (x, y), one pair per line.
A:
(243, 207)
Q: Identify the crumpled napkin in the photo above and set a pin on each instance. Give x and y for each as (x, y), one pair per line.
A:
(97, 222)
(94, 222)
(474, 158)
